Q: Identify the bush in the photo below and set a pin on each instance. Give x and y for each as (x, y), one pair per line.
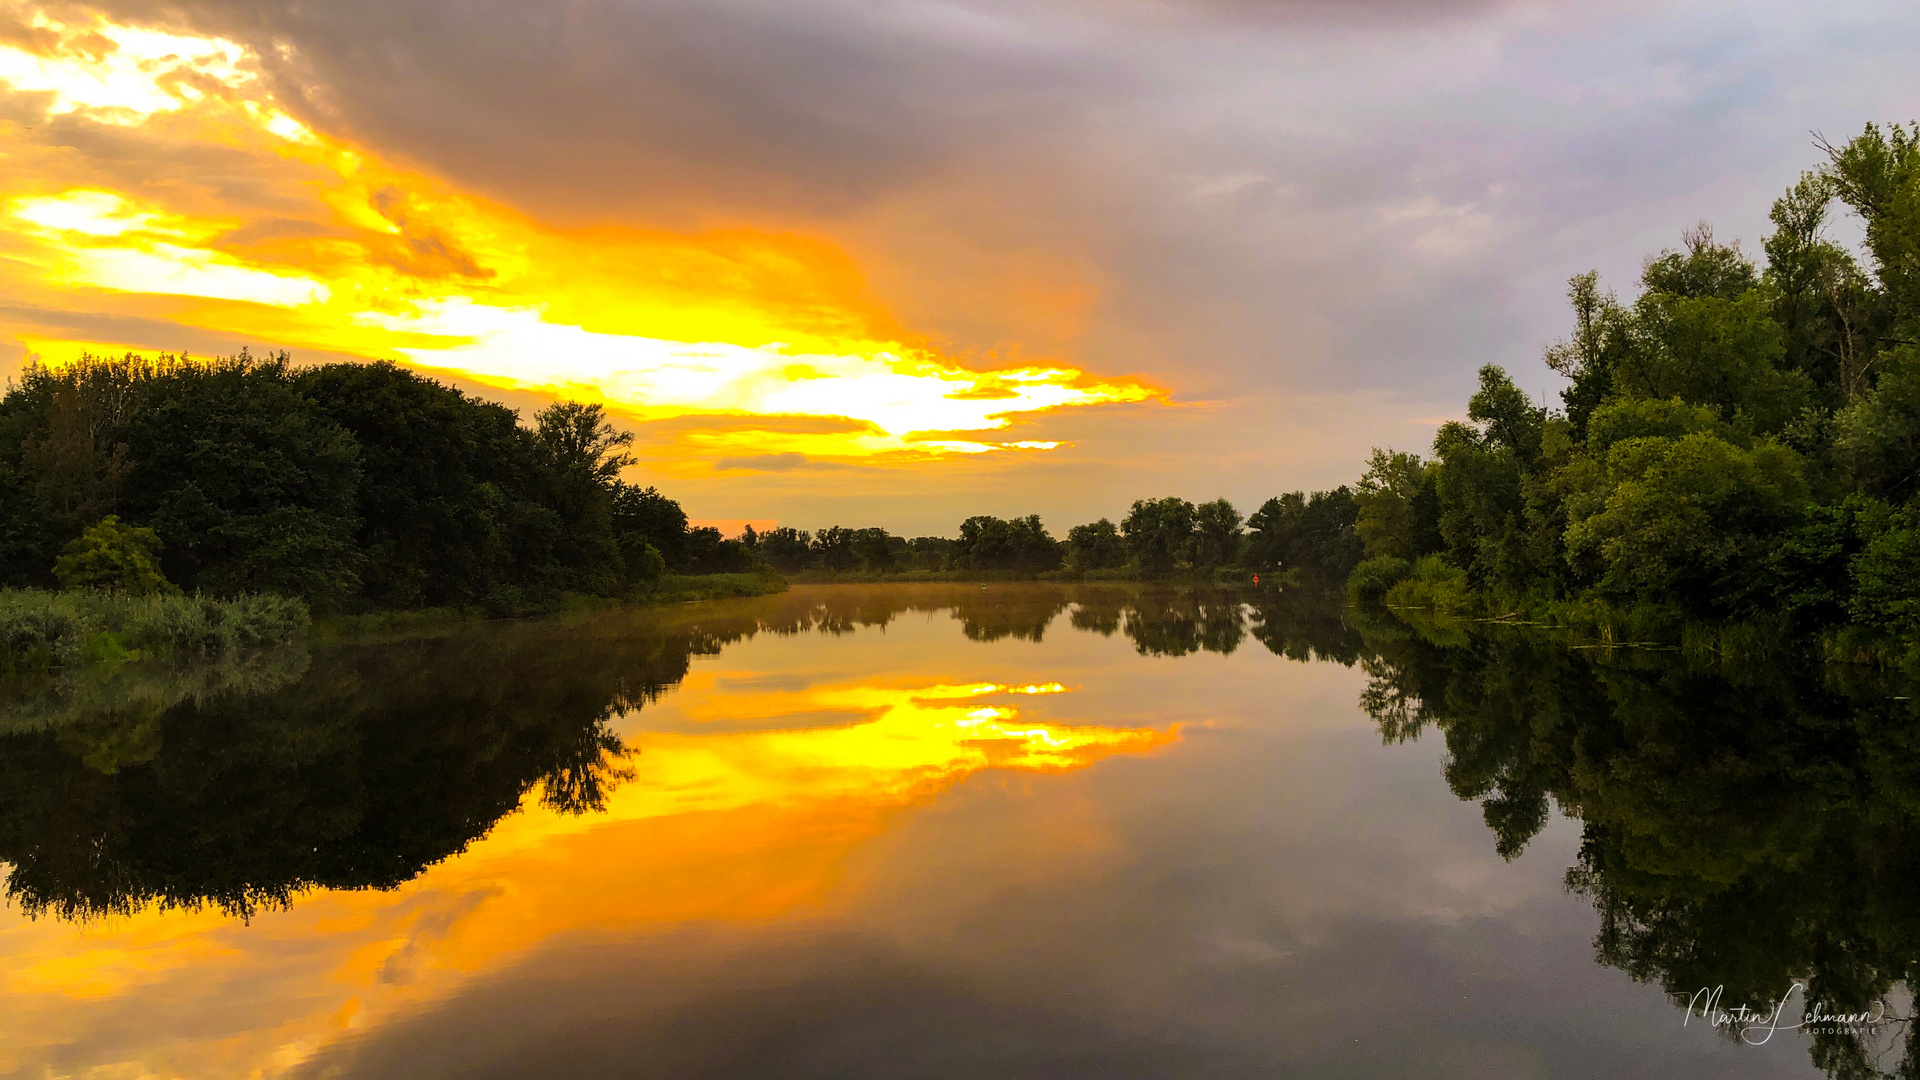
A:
(1435, 585)
(113, 558)
(1372, 578)
(1884, 578)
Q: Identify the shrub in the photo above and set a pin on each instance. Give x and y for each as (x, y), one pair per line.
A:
(1372, 578)
(1884, 576)
(114, 558)
(1435, 585)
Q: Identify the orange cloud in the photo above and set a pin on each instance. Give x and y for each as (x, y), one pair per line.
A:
(316, 244)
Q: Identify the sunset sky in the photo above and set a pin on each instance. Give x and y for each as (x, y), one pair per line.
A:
(895, 263)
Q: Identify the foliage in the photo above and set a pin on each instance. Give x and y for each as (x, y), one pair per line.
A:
(1435, 585)
(114, 558)
(1315, 534)
(1096, 546)
(45, 631)
(1372, 578)
(990, 543)
(1160, 533)
(1397, 506)
(351, 486)
(1684, 519)
(1736, 442)
(1216, 533)
(1886, 577)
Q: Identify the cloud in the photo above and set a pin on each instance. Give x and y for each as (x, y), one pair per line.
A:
(325, 243)
(1249, 203)
(773, 463)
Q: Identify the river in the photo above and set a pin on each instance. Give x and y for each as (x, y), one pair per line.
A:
(955, 831)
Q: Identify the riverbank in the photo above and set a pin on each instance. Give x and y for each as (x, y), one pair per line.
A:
(669, 589)
(1223, 576)
(44, 631)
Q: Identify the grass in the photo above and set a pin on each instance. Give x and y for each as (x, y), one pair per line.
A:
(47, 631)
(670, 589)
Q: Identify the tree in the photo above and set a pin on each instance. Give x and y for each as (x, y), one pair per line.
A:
(930, 552)
(874, 547)
(651, 517)
(786, 548)
(986, 543)
(1822, 301)
(990, 543)
(115, 558)
(1217, 533)
(1096, 546)
(833, 549)
(579, 440)
(1602, 333)
(1684, 520)
(1313, 534)
(707, 552)
(1481, 478)
(1159, 533)
(1884, 574)
(250, 486)
(448, 493)
(1397, 507)
(1878, 175)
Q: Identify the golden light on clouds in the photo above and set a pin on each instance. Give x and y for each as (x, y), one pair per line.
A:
(307, 242)
(752, 815)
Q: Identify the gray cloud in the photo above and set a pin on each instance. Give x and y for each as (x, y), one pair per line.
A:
(786, 462)
(1259, 201)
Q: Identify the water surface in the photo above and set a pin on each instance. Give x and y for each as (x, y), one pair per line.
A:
(947, 831)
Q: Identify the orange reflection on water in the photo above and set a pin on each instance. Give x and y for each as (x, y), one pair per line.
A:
(749, 817)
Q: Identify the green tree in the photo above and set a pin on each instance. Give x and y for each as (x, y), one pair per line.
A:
(1096, 546)
(990, 543)
(1314, 534)
(786, 548)
(833, 549)
(112, 557)
(1216, 534)
(1825, 305)
(1878, 175)
(1481, 476)
(1160, 533)
(1885, 576)
(644, 515)
(1878, 436)
(1602, 334)
(1397, 507)
(583, 454)
(250, 486)
(447, 498)
(1684, 520)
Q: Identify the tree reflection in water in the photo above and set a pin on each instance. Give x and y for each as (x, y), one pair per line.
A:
(1745, 825)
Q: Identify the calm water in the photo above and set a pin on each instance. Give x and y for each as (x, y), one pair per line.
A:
(940, 831)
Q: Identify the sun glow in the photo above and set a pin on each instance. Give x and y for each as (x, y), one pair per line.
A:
(760, 343)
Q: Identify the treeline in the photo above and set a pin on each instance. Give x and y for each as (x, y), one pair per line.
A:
(351, 486)
(365, 487)
(1738, 442)
(1310, 535)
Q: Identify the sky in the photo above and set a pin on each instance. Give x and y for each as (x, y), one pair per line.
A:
(869, 262)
